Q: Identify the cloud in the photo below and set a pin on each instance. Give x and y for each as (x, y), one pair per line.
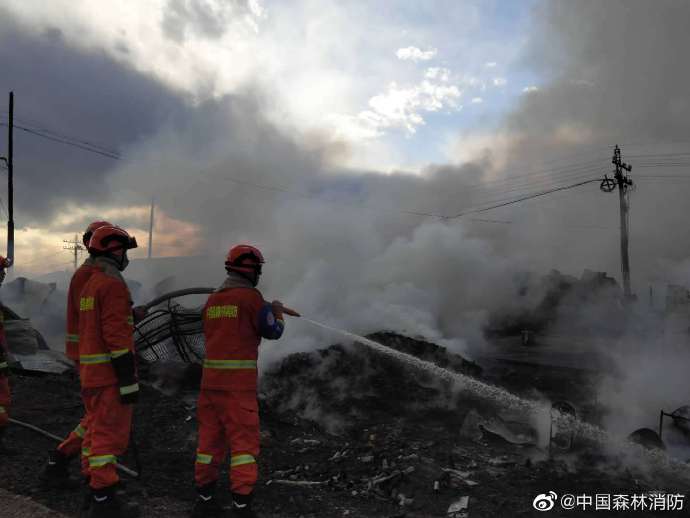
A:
(440, 73)
(415, 54)
(76, 93)
(529, 89)
(499, 81)
(207, 18)
(401, 108)
(477, 100)
(490, 64)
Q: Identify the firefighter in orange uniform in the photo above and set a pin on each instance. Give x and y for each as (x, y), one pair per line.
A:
(235, 317)
(107, 368)
(56, 472)
(4, 368)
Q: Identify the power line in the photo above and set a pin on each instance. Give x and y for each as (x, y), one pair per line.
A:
(65, 140)
(524, 198)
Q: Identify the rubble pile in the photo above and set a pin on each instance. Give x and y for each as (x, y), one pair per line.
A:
(345, 432)
(343, 386)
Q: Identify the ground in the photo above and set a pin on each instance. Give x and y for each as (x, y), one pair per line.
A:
(373, 437)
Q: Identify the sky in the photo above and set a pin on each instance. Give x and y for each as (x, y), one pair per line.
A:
(362, 124)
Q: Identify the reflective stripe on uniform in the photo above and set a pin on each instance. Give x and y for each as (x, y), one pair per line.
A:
(230, 364)
(2, 410)
(74, 339)
(241, 460)
(4, 365)
(86, 303)
(98, 461)
(130, 321)
(129, 389)
(79, 431)
(93, 359)
(85, 452)
(203, 458)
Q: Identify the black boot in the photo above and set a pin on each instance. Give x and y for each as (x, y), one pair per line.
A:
(4, 449)
(86, 498)
(106, 503)
(206, 503)
(242, 506)
(55, 473)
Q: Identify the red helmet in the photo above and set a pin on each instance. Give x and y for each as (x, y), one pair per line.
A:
(90, 229)
(110, 239)
(245, 259)
(5, 262)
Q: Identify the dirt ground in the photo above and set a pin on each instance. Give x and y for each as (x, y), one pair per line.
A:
(372, 438)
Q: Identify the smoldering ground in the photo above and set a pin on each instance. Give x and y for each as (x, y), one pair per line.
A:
(367, 251)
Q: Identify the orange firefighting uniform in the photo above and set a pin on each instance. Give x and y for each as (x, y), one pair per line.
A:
(73, 444)
(4, 382)
(236, 317)
(105, 334)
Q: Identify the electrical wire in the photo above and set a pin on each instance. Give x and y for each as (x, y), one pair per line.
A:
(65, 140)
(518, 200)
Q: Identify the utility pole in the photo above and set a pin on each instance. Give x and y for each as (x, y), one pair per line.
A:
(10, 186)
(74, 246)
(623, 183)
(151, 229)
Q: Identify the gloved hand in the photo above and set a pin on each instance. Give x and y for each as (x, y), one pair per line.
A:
(139, 313)
(127, 382)
(277, 308)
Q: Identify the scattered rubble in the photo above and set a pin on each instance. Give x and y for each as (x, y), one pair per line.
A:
(365, 451)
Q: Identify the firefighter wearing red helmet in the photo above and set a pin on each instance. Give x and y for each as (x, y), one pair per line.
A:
(56, 472)
(107, 368)
(236, 318)
(4, 368)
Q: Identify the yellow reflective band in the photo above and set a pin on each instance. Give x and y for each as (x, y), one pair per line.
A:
(221, 312)
(86, 303)
(98, 461)
(85, 452)
(203, 458)
(92, 359)
(4, 365)
(241, 460)
(130, 321)
(72, 338)
(2, 410)
(119, 352)
(129, 389)
(79, 431)
(230, 364)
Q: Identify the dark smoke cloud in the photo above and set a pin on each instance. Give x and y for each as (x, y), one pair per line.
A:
(76, 93)
(614, 74)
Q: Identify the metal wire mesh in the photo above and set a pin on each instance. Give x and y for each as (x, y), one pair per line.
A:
(171, 332)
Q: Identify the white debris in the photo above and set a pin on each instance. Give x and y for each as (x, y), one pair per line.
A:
(460, 507)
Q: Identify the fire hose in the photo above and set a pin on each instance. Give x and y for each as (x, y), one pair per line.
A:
(133, 444)
(199, 291)
(119, 466)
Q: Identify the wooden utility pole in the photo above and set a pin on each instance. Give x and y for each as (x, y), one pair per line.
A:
(10, 186)
(623, 183)
(75, 246)
(151, 229)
